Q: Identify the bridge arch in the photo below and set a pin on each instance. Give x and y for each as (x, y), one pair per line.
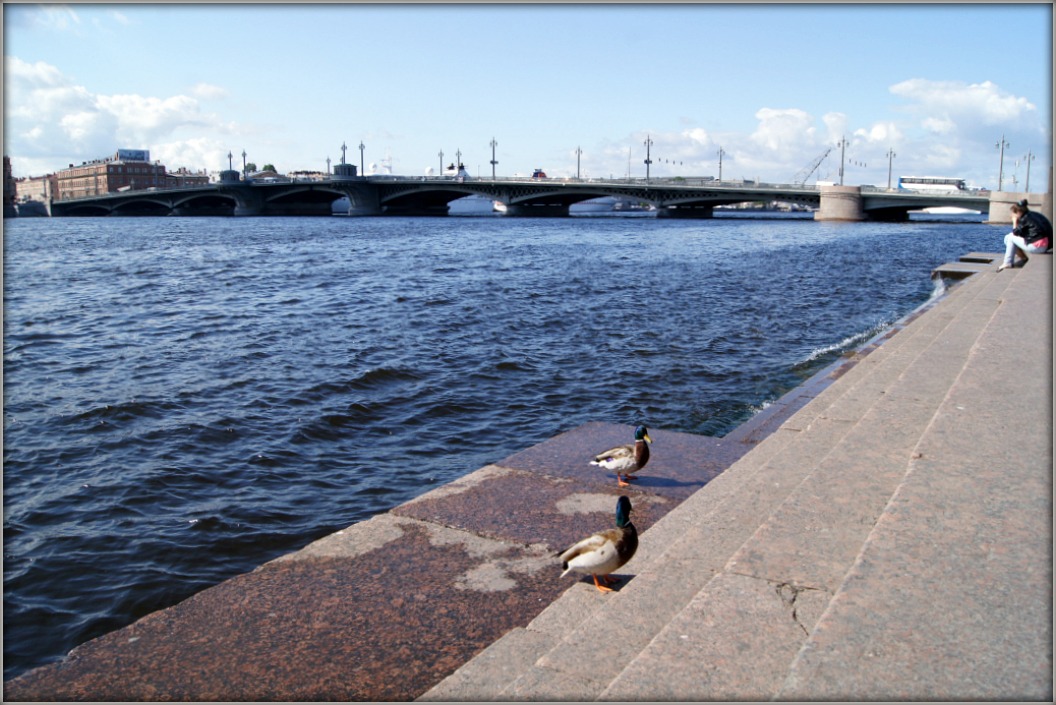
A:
(202, 204)
(428, 202)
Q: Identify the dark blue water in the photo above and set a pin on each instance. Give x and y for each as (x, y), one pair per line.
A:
(185, 399)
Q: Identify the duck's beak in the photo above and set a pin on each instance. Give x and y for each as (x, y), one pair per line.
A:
(647, 438)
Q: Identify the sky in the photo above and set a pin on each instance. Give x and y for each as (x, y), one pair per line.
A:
(883, 89)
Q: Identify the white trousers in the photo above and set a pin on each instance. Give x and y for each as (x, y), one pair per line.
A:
(1014, 241)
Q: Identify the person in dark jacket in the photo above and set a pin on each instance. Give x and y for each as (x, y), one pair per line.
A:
(1031, 233)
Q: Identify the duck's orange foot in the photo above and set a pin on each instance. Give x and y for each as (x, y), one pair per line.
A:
(600, 587)
(621, 483)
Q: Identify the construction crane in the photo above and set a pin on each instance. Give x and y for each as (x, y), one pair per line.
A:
(801, 177)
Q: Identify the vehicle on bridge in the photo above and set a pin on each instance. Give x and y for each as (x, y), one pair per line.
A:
(931, 183)
(460, 171)
(538, 174)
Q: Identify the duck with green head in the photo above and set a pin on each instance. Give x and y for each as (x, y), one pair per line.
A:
(626, 459)
(606, 551)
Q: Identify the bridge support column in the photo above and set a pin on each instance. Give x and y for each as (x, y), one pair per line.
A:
(840, 203)
(1000, 201)
(363, 200)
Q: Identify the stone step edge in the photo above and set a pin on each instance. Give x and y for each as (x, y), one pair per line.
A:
(516, 650)
(819, 600)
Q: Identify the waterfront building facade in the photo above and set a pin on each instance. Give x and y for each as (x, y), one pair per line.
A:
(36, 188)
(126, 170)
(185, 177)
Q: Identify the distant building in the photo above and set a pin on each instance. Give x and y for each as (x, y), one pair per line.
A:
(185, 177)
(36, 188)
(307, 175)
(126, 170)
(10, 194)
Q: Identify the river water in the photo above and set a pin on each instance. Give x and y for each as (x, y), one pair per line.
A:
(187, 398)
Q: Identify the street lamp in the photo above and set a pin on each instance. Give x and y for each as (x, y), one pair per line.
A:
(1001, 165)
(243, 165)
(648, 143)
(441, 162)
(493, 162)
(842, 144)
(721, 153)
(362, 171)
(890, 156)
(328, 166)
(1029, 158)
(579, 153)
(229, 165)
(343, 148)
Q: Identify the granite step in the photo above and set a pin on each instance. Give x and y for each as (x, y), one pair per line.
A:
(770, 596)
(951, 585)
(774, 589)
(723, 523)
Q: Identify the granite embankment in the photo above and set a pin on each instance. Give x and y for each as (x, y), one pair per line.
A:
(881, 533)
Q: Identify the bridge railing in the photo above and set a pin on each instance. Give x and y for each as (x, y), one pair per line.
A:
(695, 182)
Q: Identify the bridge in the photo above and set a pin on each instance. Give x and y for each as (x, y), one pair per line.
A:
(403, 195)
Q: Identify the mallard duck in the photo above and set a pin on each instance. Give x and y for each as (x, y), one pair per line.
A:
(604, 552)
(625, 459)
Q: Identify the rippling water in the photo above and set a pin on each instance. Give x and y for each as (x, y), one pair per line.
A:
(187, 398)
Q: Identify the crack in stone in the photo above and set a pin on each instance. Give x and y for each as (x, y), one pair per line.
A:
(789, 593)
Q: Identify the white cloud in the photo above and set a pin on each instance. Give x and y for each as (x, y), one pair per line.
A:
(785, 129)
(207, 91)
(120, 18)
(195, 153)
(698, 136)
(881, 133)
(51, 117)
(948, 105)
(836, 126)
(939, 126)
(56, 17)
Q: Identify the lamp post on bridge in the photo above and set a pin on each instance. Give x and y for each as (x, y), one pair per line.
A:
(890, 156)
(1029, 158)
(230, 167)
(493, 162)
(721, 153)
(458, 161)
(243, 165)
(362, 171)
(842, 145)
(343, 148)
(648, 143)
(579, 153)
(1001, 163)
(328, 166)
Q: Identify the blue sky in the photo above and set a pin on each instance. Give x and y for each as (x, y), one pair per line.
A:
(774, 86)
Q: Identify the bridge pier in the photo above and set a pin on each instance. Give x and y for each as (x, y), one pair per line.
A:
(1001, 201)
(840, 203)
(363, 201)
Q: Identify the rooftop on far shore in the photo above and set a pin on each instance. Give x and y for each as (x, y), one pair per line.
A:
(881, 533)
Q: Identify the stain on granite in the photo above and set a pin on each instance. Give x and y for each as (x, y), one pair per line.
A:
(385, 626)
